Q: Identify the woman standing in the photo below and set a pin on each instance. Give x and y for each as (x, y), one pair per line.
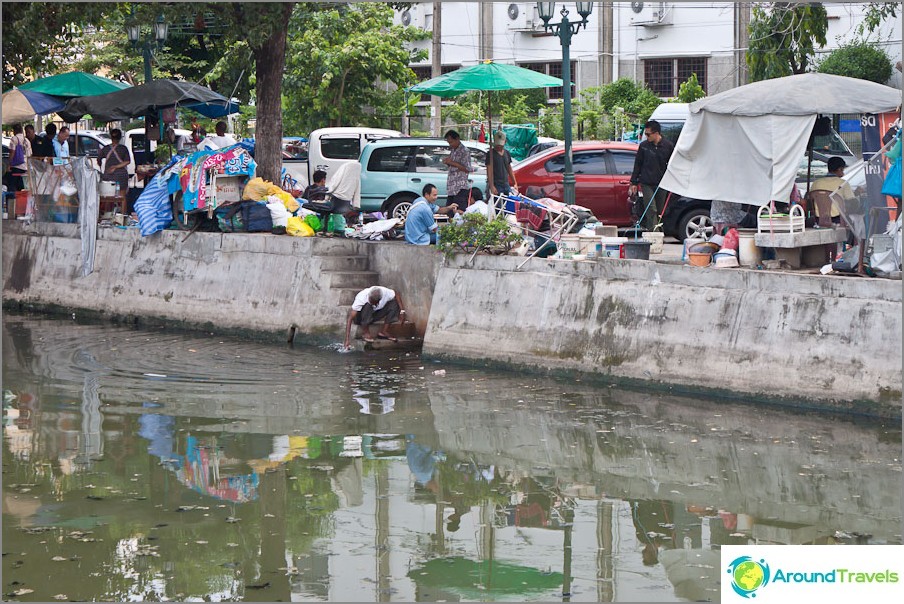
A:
(19, 152)
(115, 168)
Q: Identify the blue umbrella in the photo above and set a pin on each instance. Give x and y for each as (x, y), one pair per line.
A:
(215, 109)
(21, 105)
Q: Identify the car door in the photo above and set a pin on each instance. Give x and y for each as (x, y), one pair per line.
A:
(385, 173)
(621, 166)
(592, 181)
(429, 168)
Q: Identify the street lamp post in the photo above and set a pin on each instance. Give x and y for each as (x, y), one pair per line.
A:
(133, 30)
(565, 29)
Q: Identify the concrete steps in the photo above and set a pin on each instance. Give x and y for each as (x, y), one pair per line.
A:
(357, 280)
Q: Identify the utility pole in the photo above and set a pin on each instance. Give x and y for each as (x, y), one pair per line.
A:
(607, 53)
(741, 41)
(436, 108)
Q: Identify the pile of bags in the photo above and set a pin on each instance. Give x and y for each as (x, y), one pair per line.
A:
(265, 207)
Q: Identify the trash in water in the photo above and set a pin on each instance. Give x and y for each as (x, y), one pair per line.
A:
(439, 372)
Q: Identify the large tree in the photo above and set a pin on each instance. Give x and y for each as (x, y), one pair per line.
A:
(337, 55)
(784, 37)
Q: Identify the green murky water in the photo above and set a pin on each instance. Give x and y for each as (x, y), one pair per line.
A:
(154, 465)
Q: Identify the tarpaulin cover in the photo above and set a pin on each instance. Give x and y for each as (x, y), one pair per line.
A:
(86, 181)
(744, 145)
(519, 138)
(140, 100)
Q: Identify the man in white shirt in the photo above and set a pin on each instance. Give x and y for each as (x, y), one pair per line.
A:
(371, 305)
(218, 140)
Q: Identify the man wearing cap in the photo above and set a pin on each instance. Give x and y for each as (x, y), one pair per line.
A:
(499, 167)
(834, 182)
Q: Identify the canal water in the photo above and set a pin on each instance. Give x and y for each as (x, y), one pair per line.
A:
(149, 464)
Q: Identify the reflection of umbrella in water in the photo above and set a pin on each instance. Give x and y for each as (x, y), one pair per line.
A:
(695, 573)
(483, 579)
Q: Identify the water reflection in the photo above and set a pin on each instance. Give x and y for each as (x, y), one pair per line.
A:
(154, 465)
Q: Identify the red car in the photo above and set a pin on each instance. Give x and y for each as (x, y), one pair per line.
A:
(602, 172)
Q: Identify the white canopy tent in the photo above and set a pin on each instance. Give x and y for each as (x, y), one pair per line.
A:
(744, 145)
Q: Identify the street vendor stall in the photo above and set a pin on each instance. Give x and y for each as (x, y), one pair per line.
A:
(745, 145)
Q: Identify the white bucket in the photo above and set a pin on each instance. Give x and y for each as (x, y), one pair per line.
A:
(107, 188)
(656, 238)
(570, 245)
(611, 247)
(748, 252)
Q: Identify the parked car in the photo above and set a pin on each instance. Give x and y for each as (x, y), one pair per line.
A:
(395, 170)
(602, 177)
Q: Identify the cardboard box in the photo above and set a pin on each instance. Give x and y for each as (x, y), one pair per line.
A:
(227, 189)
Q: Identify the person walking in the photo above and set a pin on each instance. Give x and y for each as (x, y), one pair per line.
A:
(650, 164)
(458, 189)
(371, 305)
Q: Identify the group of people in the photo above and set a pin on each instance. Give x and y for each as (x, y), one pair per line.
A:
(420, 223)
(25, 144)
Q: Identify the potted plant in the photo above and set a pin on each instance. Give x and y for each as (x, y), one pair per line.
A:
(476, 232)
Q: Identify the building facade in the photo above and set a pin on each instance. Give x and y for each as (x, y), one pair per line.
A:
(659, 43)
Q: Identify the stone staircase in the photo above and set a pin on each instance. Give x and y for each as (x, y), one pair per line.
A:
(347, 273)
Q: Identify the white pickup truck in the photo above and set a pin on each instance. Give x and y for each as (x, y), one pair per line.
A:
(329, 148)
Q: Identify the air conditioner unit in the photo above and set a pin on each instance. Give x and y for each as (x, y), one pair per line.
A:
(523, 16)
(651, 14)
(414, 16)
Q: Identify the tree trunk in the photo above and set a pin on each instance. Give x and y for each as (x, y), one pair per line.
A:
(270, 62)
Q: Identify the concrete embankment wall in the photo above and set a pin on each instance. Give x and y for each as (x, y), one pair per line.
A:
(785, 337)
(800, 339)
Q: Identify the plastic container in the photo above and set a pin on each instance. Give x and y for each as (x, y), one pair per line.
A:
(725, 259)
(22, 202)
(611, 247)
(698, 259)
(570, 245)
(606, 230)
(637, 249)
(657, 240)
(67, 215)
(748, 252)
(688, 244)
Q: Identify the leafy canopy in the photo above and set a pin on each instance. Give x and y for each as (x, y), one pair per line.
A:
(335, 56)
(784, 37)
(858, 59)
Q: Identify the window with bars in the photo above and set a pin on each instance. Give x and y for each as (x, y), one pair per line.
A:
(553, 69)
(664, 76)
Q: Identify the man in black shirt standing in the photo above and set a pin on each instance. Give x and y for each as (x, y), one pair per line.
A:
(649, 167)
(43, 145)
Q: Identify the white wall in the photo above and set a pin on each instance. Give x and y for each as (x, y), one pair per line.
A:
(696, 29)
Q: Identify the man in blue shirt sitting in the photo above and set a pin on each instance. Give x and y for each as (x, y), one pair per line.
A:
(420, 226)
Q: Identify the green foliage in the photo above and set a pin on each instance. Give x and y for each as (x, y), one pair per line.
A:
(875, 14)
(691, 90)
(606, 111)
(858, 59)
(508, 106)
(335, 54)
(784, 37)
(476, 232)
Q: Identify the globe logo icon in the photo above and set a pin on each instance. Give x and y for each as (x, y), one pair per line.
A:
(748, 575)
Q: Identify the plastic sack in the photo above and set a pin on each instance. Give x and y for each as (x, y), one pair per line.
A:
(287, 200)
(313, 221)
(297, 227)
(256, 189)
(731, 240)
(278, 211)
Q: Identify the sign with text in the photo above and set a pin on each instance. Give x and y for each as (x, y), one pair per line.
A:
(818, 573)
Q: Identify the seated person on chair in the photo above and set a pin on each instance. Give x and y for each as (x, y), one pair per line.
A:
(316, 191)
(370, 306)
(420, 225)
(834, 182)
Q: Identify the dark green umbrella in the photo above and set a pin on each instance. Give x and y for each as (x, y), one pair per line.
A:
(483, 579)
(486, 76)
(73, 84)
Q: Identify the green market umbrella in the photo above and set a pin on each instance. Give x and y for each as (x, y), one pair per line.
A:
(486, 76)
(73, 84)
(484, 579)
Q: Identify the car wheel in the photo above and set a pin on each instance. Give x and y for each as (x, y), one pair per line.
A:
(695, 224)
(398, 207)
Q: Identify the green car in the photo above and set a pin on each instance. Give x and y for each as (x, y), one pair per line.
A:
(395, 170)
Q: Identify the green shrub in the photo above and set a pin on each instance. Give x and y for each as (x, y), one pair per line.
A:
(860, 60)
(475, 231)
